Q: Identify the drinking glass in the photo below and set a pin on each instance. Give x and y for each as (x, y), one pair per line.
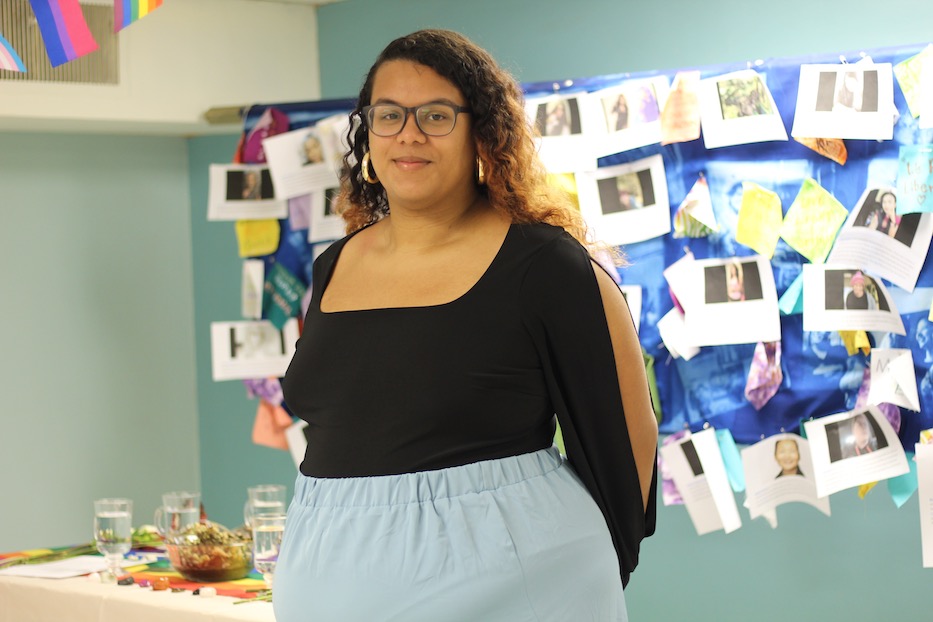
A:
(265, 499)
(267, 539)
(113, 531)
(178, 510)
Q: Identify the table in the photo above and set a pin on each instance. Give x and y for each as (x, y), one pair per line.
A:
(82, 600)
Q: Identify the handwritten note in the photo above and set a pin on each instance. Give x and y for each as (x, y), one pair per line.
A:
(812, 221)
(915, 179)
(257, 237)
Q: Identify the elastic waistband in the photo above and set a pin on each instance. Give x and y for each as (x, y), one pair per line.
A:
(425, 486)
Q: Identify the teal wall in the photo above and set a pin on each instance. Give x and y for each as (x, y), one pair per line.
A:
(230, 462)
(864, 562)
(96, 331)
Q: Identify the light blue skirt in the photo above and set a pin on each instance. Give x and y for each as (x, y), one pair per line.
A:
(510, 540)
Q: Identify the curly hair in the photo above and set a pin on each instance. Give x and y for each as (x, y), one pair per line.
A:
(516, 181)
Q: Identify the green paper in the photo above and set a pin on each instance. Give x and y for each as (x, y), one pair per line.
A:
(791, 301)
(281, 296)
(812, 221)
(904, 486)
(732, 459)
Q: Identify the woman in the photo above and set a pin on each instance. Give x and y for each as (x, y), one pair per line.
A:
(858, 298)
(735, 282)
(445, 331)
(787, 455)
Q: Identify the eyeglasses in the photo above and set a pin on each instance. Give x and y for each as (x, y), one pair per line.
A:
(436, 119)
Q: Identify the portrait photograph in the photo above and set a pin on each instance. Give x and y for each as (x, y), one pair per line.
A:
(853, 290)
(737, 108)
(625, 116)
(744, 97)
(558, 117)
(626, 203)
(735, 281)
(243, 192)
(859, 435)
(877, 212)
(853, 448)
(845, 101)
(779, 470)
(628, 191)
(875, 237)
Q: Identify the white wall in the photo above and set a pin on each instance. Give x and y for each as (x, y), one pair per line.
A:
(182, 59)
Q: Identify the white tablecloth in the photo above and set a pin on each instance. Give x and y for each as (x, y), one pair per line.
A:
(82, 600)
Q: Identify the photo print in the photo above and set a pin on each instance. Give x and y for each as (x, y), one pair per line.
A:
(251, 349)
(731, 300)
(298, 162)
(626, 203)
(845, 101)
(738, 108)
(854, 448)
(626, 116)
(696, 465)
(565, 144)
(779, 470)
(885, 243)
(846, 298)
(242, 192)
(326, 223)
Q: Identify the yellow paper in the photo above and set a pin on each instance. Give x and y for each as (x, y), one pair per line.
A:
(926, 436)
(812, 221)
(855, 341)
(864, 489)
(566, 182)
(908, 77)
(760, 216)
(257, 237)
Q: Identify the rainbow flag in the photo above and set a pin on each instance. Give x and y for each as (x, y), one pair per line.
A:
(9, 59)
(125, 12)
(64, 31)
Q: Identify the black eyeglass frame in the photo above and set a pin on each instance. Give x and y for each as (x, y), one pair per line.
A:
(413, 110)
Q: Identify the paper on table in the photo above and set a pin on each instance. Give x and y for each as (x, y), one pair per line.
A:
(924, 456)
(61, 569)
(760, 217)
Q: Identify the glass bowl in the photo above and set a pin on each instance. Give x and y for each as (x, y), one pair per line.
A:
(209, 553)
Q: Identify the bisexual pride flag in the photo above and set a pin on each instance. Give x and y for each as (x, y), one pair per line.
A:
(64, 31)
(125, 12)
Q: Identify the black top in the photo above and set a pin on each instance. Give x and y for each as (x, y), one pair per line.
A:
(388, 391)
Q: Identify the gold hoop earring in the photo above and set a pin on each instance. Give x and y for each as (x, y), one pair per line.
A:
(370, 179)
(480, 172)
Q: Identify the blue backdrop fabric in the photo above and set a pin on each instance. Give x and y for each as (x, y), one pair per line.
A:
(820, 377)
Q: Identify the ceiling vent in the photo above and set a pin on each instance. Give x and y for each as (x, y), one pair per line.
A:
(19, 26)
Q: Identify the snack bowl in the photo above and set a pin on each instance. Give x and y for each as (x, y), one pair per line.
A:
(209, 552)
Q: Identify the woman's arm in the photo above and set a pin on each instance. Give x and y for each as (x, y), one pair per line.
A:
(633, 381)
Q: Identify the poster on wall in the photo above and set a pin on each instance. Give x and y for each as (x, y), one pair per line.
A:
(243, 192)
(737, 108)
(625, 116)
(251, 349)
(837, 298)
(565, 139)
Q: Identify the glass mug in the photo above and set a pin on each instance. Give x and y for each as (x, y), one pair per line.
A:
(263, 500)
(178, 511)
